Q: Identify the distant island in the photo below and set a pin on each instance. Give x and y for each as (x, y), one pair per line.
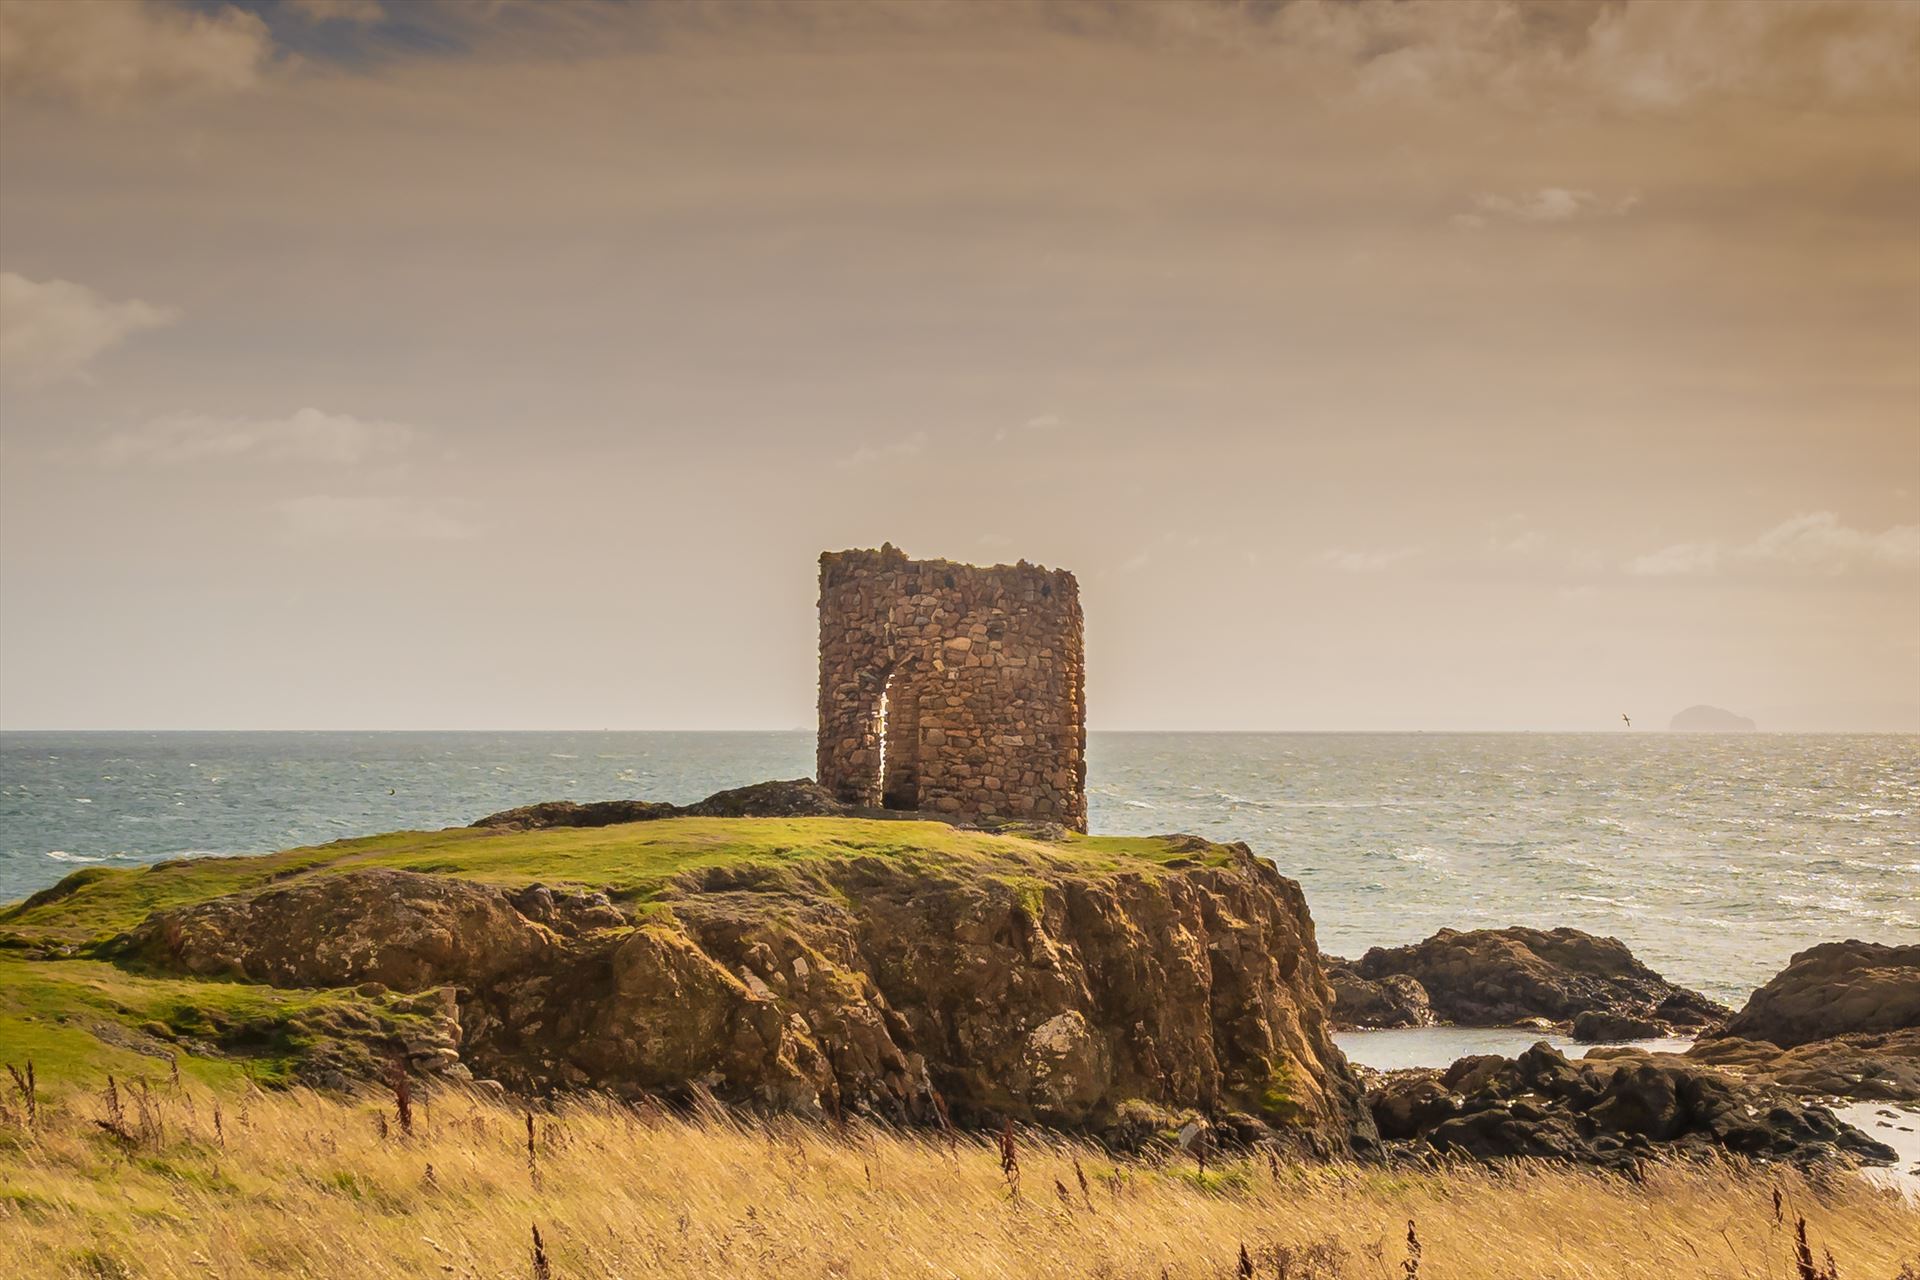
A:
(1706, 719)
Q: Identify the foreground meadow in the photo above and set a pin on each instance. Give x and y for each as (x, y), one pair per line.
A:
(168, 1178)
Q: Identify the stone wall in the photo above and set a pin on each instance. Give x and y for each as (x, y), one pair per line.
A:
(964, 686)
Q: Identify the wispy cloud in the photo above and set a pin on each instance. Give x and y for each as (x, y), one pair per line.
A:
(104, 54)
(308, 435)
(375, 518)
(1819, 541)
(1680, 558)
(1546, 205)
(1814, 542)
(50, 330)
(1374, 560)
(866, 455)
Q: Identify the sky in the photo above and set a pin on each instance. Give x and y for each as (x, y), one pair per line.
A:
(1374, 366)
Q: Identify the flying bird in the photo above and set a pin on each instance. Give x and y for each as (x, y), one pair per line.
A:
(1623, 716)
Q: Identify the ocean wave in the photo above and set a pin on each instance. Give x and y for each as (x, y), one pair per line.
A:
(61, 855)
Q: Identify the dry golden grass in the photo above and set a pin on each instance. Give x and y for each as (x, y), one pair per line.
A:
(301, 1185)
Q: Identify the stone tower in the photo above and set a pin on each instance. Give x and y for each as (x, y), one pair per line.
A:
(952, 688)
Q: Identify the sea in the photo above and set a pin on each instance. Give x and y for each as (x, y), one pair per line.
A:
(1713, 857)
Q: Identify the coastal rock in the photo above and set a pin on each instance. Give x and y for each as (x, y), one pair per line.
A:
(1596, 1025)
(1393, 1001)
(1834, 989)
(1705, 719)
(1071, 996)
(1870, 1067)
(1841, 1020)
(1613, 1111)
(1501, 977)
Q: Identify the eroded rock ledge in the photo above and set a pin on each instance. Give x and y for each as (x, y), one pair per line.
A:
(1110, 1000)
(1841, 1020)
(1507, 977)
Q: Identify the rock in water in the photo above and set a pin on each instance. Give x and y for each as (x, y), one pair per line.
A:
(1393, 1001)
(1841, 1020)
(1500, 977)
(1105, 996)
(1834, 989)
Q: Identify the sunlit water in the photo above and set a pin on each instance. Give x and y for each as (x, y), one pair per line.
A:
(1714, 858)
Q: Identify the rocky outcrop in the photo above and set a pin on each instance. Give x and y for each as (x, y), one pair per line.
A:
(1104, 999)
(1503, 977)
(1868, 1067)
(1834, 989)
(799, 798)
(1841, 1020)
(1393, 1001)
(1615, 1111)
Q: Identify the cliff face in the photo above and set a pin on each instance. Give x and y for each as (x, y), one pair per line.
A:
(1106, 995)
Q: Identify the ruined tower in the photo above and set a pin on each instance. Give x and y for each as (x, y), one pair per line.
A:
(952, 688)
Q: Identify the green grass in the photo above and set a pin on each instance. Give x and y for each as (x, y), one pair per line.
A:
(631, 861)
(80, 1020)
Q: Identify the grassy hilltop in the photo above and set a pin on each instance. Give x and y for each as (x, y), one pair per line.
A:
(85, 1018)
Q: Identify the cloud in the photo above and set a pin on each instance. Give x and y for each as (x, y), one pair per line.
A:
(365, 12)
(1814, 542)
(1365, 561)
(109, 53)
(866, 455)
(1819, 541)
(51, 329)
(1680, 558)
(1548, 204)
(374, 518)
(309, 435)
